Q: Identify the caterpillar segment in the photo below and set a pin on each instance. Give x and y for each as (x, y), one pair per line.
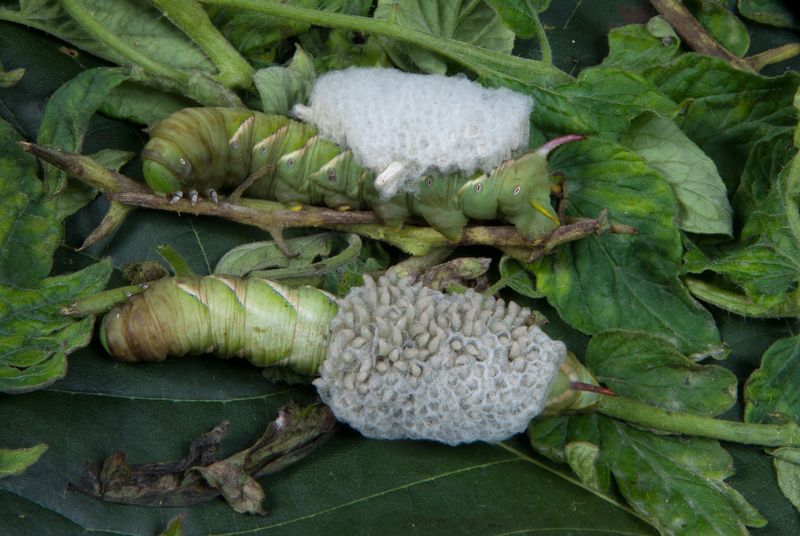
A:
(259, 320)
(211, 149)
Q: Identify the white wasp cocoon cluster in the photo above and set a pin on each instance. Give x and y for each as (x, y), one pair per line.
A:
(403, 125)
(406, 361)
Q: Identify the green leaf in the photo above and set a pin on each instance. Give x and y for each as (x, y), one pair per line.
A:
(142, 104)
(771, 394)
(315, 257)
(138, 24)
(175, 526)
(29, 227)
(677, 483)
(636, 47)
(723, 25)
(10, 78)
(35, 338)
(256, 35)
(787, 467)
(602, 101)
(694, 179)
(584, 457)
(764, 261)
(514, 276)
(520, 16)
(724, 110)
(614, 280)
(650, 369)
(281, 88)
(66, 119)
(471, 22)
(772, 12)
(15, 461)
(476, 489)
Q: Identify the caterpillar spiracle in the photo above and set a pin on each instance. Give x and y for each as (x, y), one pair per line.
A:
(209, 149)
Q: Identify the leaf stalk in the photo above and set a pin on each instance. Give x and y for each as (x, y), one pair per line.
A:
(639, 413)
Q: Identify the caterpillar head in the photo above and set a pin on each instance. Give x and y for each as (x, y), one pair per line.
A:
(165, 165)
(518, 190)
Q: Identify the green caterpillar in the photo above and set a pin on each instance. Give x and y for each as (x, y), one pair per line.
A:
(261, 321)
(209, 149)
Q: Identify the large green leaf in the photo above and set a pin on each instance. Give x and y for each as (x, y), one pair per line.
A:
(764, 261)
(137, 24)
(704, 206)
(619, 280)
(773, 12)
(35, 338)
(723, 25)
(602, 101)
(639, 46)
(29, 227)
(473, 22)
(351, 485)
(771, 393)
(280, 88)
(677, 482)
(650, 369)
(64, 125)
(724, 110)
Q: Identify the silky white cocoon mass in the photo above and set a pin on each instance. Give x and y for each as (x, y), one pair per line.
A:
(406, 361)
(415, 124)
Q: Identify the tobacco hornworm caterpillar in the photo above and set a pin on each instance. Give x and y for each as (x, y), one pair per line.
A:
(395, 359)
(206, 149)
(262, 321)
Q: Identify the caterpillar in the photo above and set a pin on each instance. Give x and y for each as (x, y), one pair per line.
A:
(210, 149)
(259, 320)
(394, 359)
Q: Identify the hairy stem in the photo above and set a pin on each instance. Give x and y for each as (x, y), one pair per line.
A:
(634, 412)
(541, 36)
(189, 16)
(484, 62)
(693, 33)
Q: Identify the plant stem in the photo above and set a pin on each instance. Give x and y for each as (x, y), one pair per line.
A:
(273, 217)
(634, 412)
(773, 55)
(486, 63)
(189, 16)
(99, 303)
(695, 35)
(541, 36)
(738, 303)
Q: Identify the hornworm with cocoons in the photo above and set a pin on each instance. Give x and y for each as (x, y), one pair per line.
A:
(208, 149)
(377, 373)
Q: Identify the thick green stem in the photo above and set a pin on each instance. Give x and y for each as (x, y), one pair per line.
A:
(189, 16)
(486, 63)
(541, 36)
(765, 435)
